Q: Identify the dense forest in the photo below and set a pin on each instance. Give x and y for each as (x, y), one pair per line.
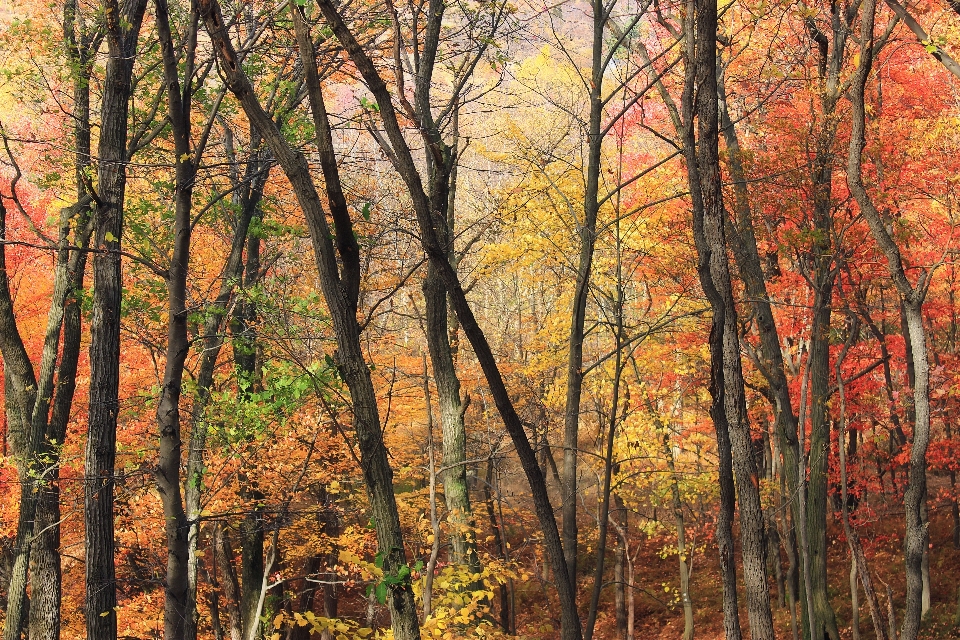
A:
(586, 319)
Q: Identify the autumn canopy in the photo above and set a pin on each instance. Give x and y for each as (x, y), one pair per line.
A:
(457, 319)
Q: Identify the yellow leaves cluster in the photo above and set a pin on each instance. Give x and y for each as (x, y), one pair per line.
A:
(340, 629)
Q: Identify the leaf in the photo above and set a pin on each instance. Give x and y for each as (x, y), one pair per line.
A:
(381, 592)
(365, 211)
(109, 237)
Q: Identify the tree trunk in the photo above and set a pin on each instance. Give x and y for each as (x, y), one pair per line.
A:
(620, 567)
(681, 542)
(122, 29)
(231, 587)
(407, 168)
(701, 152)
(248, 201)
(179, 613)
(506, 610)
(912, 297)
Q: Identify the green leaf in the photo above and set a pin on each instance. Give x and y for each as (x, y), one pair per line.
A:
(381, 593)
(365, 212)
(109, 237)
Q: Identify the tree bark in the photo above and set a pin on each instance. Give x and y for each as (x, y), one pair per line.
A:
(701, 153)
(122, 33)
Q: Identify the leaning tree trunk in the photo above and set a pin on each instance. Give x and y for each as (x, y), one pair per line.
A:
(340, 288)
(407, 168)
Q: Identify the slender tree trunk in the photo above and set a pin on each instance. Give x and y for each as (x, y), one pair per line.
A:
(340, 288)
(231, 586)
(46, 575)
(506, 608)
(248, 202)
(587, 236)
(912, 298)
(179, 613)
(681, 541)
(455, 488)
(620, 567)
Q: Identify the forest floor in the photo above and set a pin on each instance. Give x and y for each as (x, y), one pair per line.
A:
(659, 617)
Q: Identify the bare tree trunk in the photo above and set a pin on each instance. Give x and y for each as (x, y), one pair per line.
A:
(248, 201)
(46, 576)
(122, 34)
(179, 589)
(681, 541)
(428, 223)
(701, 152)
(506, 607)
(231, 587)
(912, 298)
(434, 520)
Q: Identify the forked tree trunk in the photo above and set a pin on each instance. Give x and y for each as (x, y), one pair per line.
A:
(701, 153)
(912, 298)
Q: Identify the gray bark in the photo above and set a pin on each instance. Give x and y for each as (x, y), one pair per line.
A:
(701, 153)
(912, 297)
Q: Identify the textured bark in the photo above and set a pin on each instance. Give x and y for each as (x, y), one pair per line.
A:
(406, 167)
(20, 393)
(823, 622)
(701, 152)
(455, 488)
(441, 335)
(223, 553)
(122, 32)
(251, 563)
(36, 435)
(46, 571)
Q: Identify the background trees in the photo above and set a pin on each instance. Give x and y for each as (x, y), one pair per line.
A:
(683, 276)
